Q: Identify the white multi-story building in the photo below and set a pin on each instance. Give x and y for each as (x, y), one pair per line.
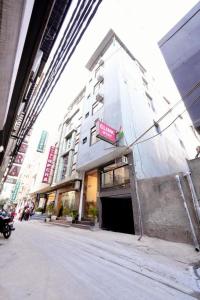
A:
(90, 172)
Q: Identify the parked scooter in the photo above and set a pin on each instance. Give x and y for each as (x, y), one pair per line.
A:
(6, 224)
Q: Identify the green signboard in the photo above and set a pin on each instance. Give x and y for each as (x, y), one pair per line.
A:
(42, 142)
(15, 191)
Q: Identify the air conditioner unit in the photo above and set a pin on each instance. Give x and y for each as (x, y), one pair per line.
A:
(124, 160)
(99, 97)
(100, 77)
(101, 61)
(77, 185)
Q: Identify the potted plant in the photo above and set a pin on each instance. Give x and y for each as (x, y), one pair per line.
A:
(66, 213)
(50, 208)
(39, 211)
(93, 213)
(74, 215)
(50, 212)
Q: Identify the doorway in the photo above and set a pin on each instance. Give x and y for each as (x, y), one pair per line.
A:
(117, 215)
(90, 191)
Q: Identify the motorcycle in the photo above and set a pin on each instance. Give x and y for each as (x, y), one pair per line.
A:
(6, 225)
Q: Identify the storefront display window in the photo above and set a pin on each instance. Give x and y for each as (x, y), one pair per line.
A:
(68, 200)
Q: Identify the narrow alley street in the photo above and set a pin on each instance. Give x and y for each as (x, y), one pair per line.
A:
(42, 261)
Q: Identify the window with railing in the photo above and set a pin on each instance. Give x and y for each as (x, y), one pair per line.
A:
(115, 177)
(93, 136)
(67, 143)
(96, 106)
(97, 87)
(98, 71)
(64, 166)
(150, 102)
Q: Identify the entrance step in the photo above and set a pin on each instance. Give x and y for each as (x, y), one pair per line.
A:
(85, 222)
(60, 223)
(81, 226)
(38, 217)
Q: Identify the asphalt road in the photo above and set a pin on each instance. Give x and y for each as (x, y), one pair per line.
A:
(47, 262)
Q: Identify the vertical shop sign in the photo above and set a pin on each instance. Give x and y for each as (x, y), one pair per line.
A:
(49, 165)
(15, 191)
(42, 141)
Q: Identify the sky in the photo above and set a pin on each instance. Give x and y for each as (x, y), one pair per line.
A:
(140, 24)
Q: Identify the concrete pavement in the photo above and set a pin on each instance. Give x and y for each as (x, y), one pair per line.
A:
(41, 261)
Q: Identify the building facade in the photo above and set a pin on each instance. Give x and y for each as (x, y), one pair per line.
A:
(58, 181)
(122, 94)
(181, 50)
(101, 157)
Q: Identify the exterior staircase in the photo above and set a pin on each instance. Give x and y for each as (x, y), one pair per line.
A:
(83, 224)
(41, 217)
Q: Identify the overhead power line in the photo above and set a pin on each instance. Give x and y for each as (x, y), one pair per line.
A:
(136, 142)
(82, 15)
(195, 86)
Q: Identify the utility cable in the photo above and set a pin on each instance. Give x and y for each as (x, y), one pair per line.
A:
(47, 85)
(169, 111)
(57, 53)
(151, 137)
(34, 117)
(72, 51)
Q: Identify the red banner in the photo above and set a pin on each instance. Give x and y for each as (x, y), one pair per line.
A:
(23, 148)
(106, 133)
(19, 159)
(49, 165)
(14, 171)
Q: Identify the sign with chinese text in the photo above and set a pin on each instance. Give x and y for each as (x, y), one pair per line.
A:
(42, 141)
(11, 180)
(106, 133)
(15, 191)
(49, 165)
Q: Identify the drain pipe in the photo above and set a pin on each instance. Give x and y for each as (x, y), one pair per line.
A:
(139, 208)
(194, 195)
(81, 197)
(194, 237)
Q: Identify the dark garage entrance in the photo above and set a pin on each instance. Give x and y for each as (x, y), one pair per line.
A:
(117, 214)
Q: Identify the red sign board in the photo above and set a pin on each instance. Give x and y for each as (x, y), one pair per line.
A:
(19, 159)
(14, 171)
(106, 133)
(49, 165)
(23, 148)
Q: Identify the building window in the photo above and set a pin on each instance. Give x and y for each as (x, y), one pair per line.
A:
(181, 143)
(64, 167)
(85, 140)
(97, 87)
(115, 177)
(93, 136)
(78, 129)
(166, 100)
(67, 143)
(142, 69)
(145, 83)
(87, 115)
(96, 106)
(157, 127)
(107, 179)
(75, 158)
(150, 101)
(121, 175)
